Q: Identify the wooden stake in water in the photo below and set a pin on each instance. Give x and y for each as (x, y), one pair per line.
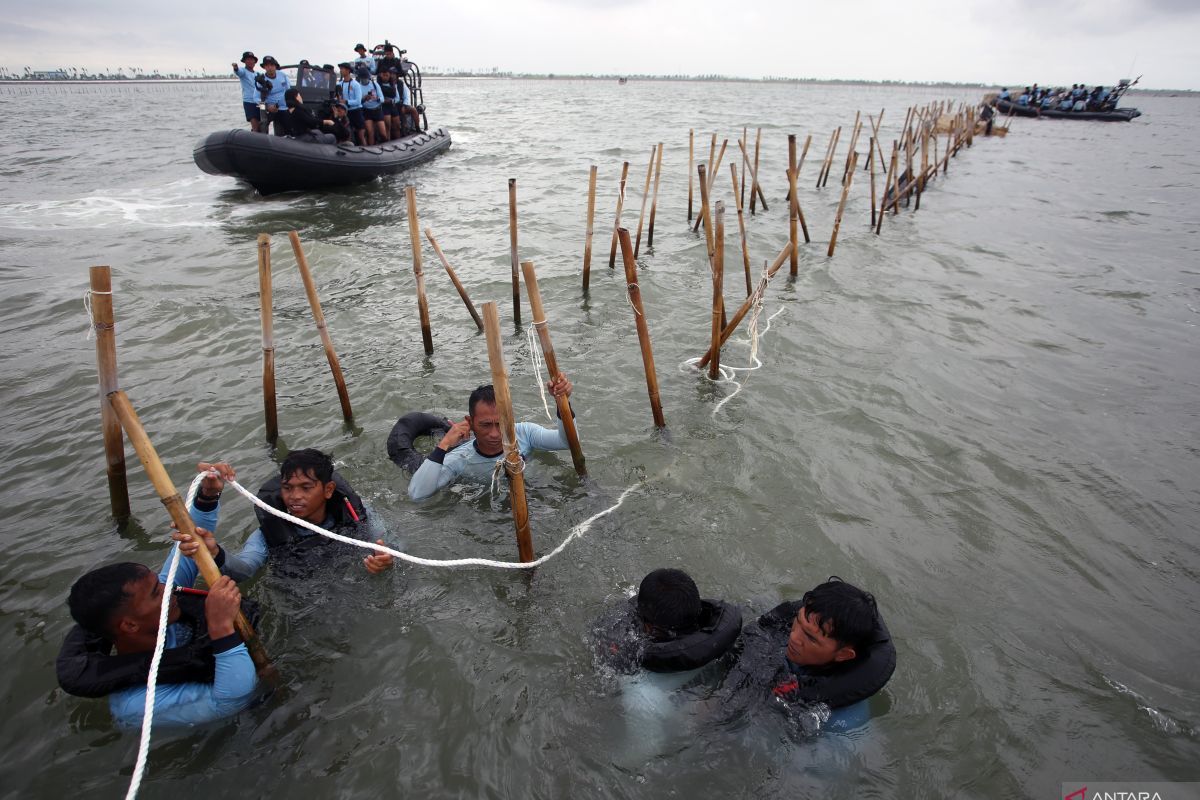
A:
(106, 369)
(612, 254)
(718, 279)
(462, 292)
(871, 167)
(793, 220)
(180, 516)
(654, 199)
(587, 241)
(422, 304)
(513, 464)
(314, 302)
(742, 188)
(543, 332)
(837, 220)
(268, 337)
(512, 250)
(710, 171)
(705, 215)
(857, 129)
(741, 227)
(637, 245)
(745, 307)
(888, 179)
(691, 160)
(794, 196)
(643, 331)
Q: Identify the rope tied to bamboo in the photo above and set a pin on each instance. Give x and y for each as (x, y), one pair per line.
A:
(629, 287)
(87, 307)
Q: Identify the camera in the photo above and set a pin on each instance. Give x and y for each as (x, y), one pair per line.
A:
(264, 85)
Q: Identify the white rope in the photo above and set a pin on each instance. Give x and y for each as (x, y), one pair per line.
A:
(539, 364)
(160, 641)
(729, 374)
(87, 306)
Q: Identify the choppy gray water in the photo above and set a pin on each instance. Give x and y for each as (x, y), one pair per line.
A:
(987, 416)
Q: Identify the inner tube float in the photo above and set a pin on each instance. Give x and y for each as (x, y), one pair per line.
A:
(406, 430)
(626, 648)
(842, 684)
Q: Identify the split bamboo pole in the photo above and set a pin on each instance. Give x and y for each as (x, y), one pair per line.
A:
(462, 292)
(179, 515)
(837, 137)
(875, 123)
(837, 220)
(612, 254)
(654, 198)
(896, 181)
(587, 240)
(543, 332)
(513, 465)
(637, 247)
(106, 370)
(314, 302)
(705, 215)
(887, 177)
(691, 174)
(745, 307)
(639, 318)
(413, 228)
(718, 281)
(741, 227)
(793, 220)
(803, 155)
(711, 172)
(853, 143)
(755, 189)
(512, 251)
(828, 153)
(268, 337)
(795, 203)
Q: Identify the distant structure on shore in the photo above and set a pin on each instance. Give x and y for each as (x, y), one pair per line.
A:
(107, 74)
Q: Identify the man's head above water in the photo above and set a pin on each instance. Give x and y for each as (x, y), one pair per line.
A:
(306, 483)
(836, 622)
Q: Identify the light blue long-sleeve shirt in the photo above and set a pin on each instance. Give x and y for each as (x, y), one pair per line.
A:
(352, 93)
(249, 90)
(372, 87)
(368, 60)
(279, 85)
(466, 461)
(177, 704)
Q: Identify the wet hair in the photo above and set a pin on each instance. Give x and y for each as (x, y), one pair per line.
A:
(98, 595)
(484, 394)
(307, 461)
(845, 613)
(669, 601)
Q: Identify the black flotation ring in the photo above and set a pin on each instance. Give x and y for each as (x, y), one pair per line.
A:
(405, 432)
(626, 648)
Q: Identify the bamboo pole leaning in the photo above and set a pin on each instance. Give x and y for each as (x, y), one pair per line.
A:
(794, 200)
(587, 239)
(691, 176)
(422, 304)
(179, 515)
(741, 226)
(637, 246)
(101, 298)
(612, 254)
(462, 292)
(512, 254)
(543, 332)
(887, 178)
(268, 337)
(718, 280)
(654, 199)
(793, 220)
(745, 307)
(643, 331)
(857, 129)
(837, 220)
(711, 172)
(314, 302)
(513, 465)
(871, 167)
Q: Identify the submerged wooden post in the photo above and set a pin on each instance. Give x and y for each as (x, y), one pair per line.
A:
(106, 370)
(543, 332)
(462, 292)
(512, 252)
(654, 199)
(871, 167)
(612, 254)
(268, 337)
(643, 332)
(180, 516)
(691, 159)
(422, 305)
(587, 240)
(637, 245)
(887, 179)
(794, 199)
(314, 302)
(741, 226)
(837, 220)
(718, 280)
(793, 220)
(513, 464)
(745, 307)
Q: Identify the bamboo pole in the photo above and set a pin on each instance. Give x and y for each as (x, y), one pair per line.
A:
(705, 217)
(513, 464)
(837, 138)
(825, 160)
(718, 280)
(742, 189)
(741, 227)
(587, 240)
(887, 177)
(643, 332)
(268, 337)
(803, 155)
(793, 220)
(512, 252)
(753, 174)
(106, 370)
(423, 305)
(712, 151)
(754, 184)
(837, 220)
(462, 292)
(314, 302)
(745, 307)
(543, 332)
(179, 515)
(853, 143)
(612, 255)
(654, 199)
(691, 159)
(871, 166)
(711, 171)
(795, 202)
(875, 123)
(645, 196)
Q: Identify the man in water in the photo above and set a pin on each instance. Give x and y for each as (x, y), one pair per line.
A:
(480, 430)
(250, 94)
(307, 488)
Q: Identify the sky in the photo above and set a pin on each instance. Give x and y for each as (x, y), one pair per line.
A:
(1020, 42)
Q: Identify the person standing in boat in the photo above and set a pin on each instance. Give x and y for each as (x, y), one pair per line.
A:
(364, 59)
(372, 106)
(246, 74)
(275, 85)
(350, 92)
(391, 101)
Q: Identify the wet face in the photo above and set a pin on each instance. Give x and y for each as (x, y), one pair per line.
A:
(809, 644)
(304, 496)
(485, 424)
(140, 612)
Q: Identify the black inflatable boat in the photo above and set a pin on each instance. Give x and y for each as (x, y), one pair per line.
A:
(280, 163)
(1112, 115)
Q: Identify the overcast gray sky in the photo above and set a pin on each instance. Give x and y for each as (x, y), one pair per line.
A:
(1049, 41)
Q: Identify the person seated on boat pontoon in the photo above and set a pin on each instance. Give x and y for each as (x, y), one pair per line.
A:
(1080, 104)
(363, 59)
(246, 75)
(341, 129)
(350, 92)
(1004, 95)
(302, 123)
(1023, 100)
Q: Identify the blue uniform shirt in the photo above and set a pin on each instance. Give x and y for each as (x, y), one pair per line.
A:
(352, 93)
(279, 85)
(367, 88)
(249, 90)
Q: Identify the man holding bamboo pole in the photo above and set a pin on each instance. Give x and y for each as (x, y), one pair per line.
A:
(473, 446)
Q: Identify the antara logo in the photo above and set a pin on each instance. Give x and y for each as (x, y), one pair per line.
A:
(1081, 794)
